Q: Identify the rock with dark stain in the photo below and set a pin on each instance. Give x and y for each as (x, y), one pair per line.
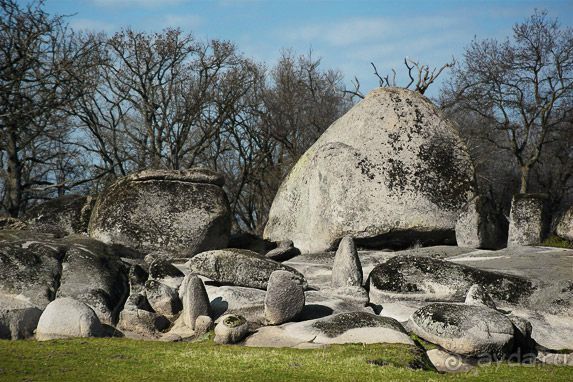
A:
(185, 212)
(481, 226)
(528, 220)
(390, 173)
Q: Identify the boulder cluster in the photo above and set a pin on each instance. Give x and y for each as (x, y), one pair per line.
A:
(351, 253)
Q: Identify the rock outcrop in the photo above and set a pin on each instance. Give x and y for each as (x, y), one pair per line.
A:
(66, 215)
(391, 172)
(239, 267)
(528, 220)
(186, 212)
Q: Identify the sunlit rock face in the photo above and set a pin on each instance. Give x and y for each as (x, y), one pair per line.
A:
(391, 172)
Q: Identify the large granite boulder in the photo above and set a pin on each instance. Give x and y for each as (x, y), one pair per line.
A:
(391, 172)
(239, 267)
(467, 330)
(185, 212)
(68, 318)
(564, 227)
(426, 279)
(528, 220)
(96, 279)
(481, 226)
(65, 215)
(30, 270)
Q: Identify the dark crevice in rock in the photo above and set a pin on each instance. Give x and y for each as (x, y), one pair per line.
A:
(404, 239)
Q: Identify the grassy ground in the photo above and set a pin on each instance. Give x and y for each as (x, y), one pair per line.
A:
(129, 360)
(556, 241)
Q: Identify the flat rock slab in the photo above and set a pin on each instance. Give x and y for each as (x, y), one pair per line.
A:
(353, 327)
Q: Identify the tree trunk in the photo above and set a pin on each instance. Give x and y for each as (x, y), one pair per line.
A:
(524, 178)
(14, 181)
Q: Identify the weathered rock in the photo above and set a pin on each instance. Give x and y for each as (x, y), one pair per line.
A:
(137, 316)
(244, 240)
(231, 329)
(480, 226)
(467, 330)
(166, 273)
(427, 279)
(346, 270)
(65, 215)
(284, 300)
(448, 362)
(95, 279)
(162, 298)
(246, 302)
(186, 212)
(30, 270)
(564, 227)
(283, 252)
(477, 295)
(202, 325)
(18, 319)
(10, 223)
(528, 220)
(137, 278)
(195, 300)
(239, 267)
(67, 318)
(391, 172)
(354, 294)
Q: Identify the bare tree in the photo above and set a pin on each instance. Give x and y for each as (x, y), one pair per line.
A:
(522, 86)
(39, 70)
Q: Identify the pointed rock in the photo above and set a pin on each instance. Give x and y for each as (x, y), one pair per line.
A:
(347, 270)
(195, 300)
(477, 295)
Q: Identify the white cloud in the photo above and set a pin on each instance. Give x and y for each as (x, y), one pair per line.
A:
(92, 25)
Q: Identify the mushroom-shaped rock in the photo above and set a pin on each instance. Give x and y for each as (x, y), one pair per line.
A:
(284, 300)
(477, 295)
(67, 318)
(390, 172)
(162, 298)
(194, 298)
(186, 212)
(346, 270)
(239, 267)
(231, 329)
(467, 330)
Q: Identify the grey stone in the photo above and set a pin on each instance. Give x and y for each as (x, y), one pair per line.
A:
(67, 318)
(346, 270)
(246, 302)
(390, 172)
(467, 330)
(96, 279)
(162, 298)
(283, 252)
(239, 267)
(528, 220)
(284, 300)
(137, 316)
(427, 279)
(231, 329)
(166, 273)
(480, 226)
(65, 215)
(354, 294)
(30, 269)
(447, 362)
(477, 295)
(564, 227)
(18, 319)
(137, 278)
(202, 325)
(195, 300)
(185, 212)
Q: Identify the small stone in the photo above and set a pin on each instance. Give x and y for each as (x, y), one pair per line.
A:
(284, 300)
(231, 329)
(477, 295)
(528, 220)
(194, 298)
(166, 273)
(346, 270)
(162, 298)
(202, 325)
(283, 253)
(137, 278)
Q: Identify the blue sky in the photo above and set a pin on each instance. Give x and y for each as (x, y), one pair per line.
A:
(348, 35)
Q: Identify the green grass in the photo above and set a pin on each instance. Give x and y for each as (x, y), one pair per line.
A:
(129, 360)
(556, 241)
